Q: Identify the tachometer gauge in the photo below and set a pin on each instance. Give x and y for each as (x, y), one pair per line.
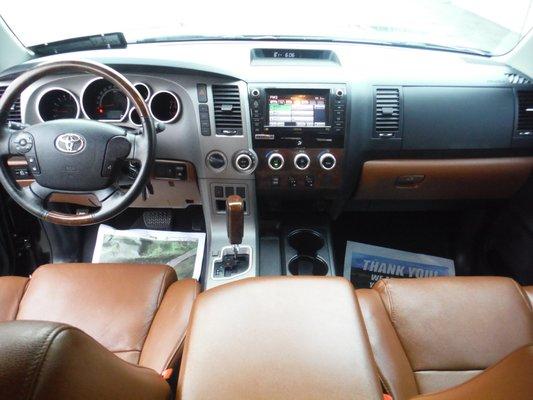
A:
(57, 103)
(105, 102)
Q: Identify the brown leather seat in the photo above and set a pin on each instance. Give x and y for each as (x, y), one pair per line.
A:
(433, 334)
(138, 312)
(278, 338)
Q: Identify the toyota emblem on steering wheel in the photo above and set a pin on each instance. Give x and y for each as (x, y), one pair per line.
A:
(70, 143)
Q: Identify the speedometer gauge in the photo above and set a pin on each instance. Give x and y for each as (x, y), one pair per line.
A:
(112, 104)
(103, 101)
(57, 103)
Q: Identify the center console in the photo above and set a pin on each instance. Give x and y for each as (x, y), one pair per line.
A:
(298, 134)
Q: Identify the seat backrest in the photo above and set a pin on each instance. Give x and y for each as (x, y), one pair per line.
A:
(138, 312)
(434, 333)
(50, 361)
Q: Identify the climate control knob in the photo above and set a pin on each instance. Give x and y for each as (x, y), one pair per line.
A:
(327, 161)
(275, 161)
(245, 161)
(301, 161)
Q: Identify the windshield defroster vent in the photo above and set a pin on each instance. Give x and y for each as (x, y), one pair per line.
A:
(14, 114)
(524, 126)
(227, 104)
(517, 79)
(387, 113)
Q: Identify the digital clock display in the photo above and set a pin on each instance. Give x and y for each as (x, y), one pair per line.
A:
(293, 54)
(287, 54)
(284, 54)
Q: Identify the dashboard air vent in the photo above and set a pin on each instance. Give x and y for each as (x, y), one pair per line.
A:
(524, 125)
(387, 113)
(517, 79)
(227, 104)
(14, 114)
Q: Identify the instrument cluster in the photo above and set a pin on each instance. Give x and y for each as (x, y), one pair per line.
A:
(101, 100)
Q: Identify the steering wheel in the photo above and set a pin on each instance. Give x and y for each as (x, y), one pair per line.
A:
(75, 156)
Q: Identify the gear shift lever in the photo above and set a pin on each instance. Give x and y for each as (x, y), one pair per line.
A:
(234, 261)
(235, 221)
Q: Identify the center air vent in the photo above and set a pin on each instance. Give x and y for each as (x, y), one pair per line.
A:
(227, 103)
(387, 113)
(524, 126)
(14, 113)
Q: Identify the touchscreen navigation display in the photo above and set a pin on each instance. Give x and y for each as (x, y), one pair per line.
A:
(297, 110)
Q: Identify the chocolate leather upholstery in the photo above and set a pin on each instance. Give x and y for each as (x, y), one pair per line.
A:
(432, 334)
(278, 338)
(50, 361)
(138, 312)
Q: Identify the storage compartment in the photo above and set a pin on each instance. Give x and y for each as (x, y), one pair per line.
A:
(474, 178)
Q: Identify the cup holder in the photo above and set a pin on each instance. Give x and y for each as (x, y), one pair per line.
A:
(307, 244)
(307, 265)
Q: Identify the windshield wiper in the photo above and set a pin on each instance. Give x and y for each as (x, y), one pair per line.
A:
(115, 40)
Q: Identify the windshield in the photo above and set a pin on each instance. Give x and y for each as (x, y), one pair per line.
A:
(490, 26)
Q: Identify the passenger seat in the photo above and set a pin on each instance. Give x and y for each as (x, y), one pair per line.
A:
(432, 334)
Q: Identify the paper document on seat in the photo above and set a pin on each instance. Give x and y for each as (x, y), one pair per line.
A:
(183, 251)
(365, 264)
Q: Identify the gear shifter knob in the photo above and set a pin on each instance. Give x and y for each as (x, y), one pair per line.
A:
(235, 219)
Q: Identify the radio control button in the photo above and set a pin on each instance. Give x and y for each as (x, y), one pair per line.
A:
(276, 161)
(301, 161)
(327, 161)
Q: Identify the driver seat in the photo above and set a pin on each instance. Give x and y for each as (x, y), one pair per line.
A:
(138, 312)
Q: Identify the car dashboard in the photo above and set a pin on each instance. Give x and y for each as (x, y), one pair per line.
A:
(335, 124)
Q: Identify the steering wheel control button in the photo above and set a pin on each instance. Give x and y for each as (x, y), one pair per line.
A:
(301, 161)
(22, 143)
(33, 165)
(216, 161)
(327, 161)
(275, 161)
